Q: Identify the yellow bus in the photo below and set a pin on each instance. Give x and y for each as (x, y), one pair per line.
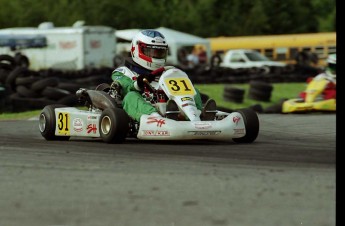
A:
(285, 48)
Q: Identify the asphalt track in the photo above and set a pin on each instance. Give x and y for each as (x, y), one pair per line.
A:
(286, 177)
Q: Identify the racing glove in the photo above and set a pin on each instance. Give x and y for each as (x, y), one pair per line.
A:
(140, 80)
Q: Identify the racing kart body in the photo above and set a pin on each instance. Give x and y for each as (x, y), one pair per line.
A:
(314, 98)
(106, 119)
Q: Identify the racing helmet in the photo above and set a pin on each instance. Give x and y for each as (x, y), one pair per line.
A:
(149, 49)
(331, 65)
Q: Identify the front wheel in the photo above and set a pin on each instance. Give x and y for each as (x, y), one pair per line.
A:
(114, 125)
(47, 122)
(251, 122)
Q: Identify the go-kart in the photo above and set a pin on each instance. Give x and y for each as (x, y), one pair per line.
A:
(313, 99)
(106, 119)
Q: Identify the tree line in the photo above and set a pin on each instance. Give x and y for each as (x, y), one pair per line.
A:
(205, 18)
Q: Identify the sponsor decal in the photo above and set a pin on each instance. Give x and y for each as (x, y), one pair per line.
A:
(156, 133)
(95, 44)
(91, 117)
(187, 98)
(203, 125)
(68, 44)
(162, 133)
(204, 133)
(188, 104)
(239, 131)
(78, 124)
(159, 121)
(236, 119)
(91, 128)
(148, 132)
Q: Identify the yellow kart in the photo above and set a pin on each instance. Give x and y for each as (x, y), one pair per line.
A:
(314, 99)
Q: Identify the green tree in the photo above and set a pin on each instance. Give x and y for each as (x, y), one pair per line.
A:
(205, 18)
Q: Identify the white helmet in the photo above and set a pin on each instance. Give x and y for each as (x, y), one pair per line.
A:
(149, 49)
(332, 65)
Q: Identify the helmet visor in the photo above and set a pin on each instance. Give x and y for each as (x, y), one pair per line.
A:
(158, 52)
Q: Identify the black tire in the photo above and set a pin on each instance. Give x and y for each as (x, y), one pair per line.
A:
(43, 83)
(8, 60)
(72, 87)
(234, 90)
(228, 97)
(12, 76)
(260, 85)
(47, 123)
(22, 61)
(251, 122)
(259, 95)
(233, 94)
(25, 92)
(54, 93)
(26, 81)
(114, 125)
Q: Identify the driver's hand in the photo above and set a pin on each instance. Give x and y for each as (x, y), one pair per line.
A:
(140, 80)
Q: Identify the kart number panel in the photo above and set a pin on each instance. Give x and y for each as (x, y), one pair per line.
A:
(179, 86)
(63, 123)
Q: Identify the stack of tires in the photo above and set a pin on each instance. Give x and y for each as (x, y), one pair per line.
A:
(29, 90)
(260, 91)
(23, 89)
(233, 94)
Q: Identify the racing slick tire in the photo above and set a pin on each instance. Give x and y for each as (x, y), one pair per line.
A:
(251, 122)
(47, 123)
(113, 125)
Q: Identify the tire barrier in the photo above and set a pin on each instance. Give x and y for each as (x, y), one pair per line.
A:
(22, 60)
(7, 62)
(260, 91)
(22, 89)
(233, 94)
(25, 89)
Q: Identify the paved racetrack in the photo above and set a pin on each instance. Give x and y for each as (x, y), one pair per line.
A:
(286, 177)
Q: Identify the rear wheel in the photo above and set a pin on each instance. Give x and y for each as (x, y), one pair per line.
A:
(47, 123)
(114, 125)
(251, 122)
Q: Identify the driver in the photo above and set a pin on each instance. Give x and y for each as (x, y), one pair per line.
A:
(331, 70)
(329, 74)
(149, 50)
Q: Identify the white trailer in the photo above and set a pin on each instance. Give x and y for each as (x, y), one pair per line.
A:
(67, 48)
